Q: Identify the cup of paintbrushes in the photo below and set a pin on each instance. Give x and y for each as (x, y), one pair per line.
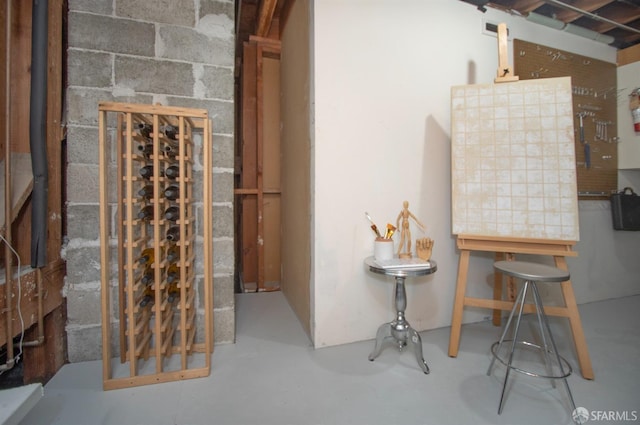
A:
(383, 249)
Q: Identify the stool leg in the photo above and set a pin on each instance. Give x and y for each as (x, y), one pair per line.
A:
(539, 307)
(513, 345)
(555, 348)
(505, 330)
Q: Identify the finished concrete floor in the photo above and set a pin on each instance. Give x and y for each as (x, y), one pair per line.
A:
(272, 375)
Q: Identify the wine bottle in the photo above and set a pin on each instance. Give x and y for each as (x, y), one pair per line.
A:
(146, 192)
(172, 213)
(173, 273)
(147, 171)
(172, 172)
(173, 254)
(145, 130)
(147, 256)
(172, 192)
(146, 213)
(173, 292)
(171, 150)
(145, 149)
(173, 234)
(148, 276)
(171, 132)
(149, 296)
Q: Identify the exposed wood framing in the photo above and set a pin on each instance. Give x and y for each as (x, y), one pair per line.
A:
(265, 17)
(251, 190)
(52, 348)
(629, 55)
(53, 275)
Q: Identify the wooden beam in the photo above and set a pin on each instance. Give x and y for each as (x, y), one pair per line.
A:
(629, 55)
(265, 17)
(284, 13)
(53, 275)
(54, 130)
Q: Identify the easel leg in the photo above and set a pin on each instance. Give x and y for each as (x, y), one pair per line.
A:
(574, 320)
(458, 303)
(497, 286)
(497, 290)
(511, 281)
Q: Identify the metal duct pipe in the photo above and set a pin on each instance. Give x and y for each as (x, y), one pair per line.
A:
(8, 216)
(545, 20)
(592, 15)
(570, 28)
(587, 33)
(37, 132)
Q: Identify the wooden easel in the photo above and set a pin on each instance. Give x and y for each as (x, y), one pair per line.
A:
(505, 72)
(506, 248)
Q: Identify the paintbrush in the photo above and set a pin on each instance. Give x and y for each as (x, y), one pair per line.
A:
(373, 225)
(390, 230)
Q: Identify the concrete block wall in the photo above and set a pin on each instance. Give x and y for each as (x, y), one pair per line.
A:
(173, 52)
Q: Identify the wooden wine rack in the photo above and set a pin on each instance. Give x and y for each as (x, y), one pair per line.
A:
(154, 283)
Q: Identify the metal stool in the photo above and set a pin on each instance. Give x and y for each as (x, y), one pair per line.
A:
(531, 273)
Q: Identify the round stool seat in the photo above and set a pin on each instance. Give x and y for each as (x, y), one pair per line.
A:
(532, 271)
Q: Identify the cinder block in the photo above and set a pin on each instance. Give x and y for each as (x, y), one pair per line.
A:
(223, 293)
(224, 326)
(218, 82)
(220, 112)
(198, 263)
(83, 264)
(89, 69)
(82, 104)
(217, 7)
(100, 7)
(223, 187)
(84, 343)
(83, 307)
(83, 183)
(223, 154)
(154, 76)
(187, 44)
(164, 11)
(223, 221)
(82, 145)
(83, 221)
(97, 32)
(223, 256)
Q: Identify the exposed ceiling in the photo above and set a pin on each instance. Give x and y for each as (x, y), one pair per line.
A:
(614, 22)
(259, 18)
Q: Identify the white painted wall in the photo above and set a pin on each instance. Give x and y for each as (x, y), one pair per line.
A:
(382, 77)
(629, 148)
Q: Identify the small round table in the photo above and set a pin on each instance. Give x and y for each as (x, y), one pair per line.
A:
(399, 329)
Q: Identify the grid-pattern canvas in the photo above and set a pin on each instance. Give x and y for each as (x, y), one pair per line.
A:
(513, 160)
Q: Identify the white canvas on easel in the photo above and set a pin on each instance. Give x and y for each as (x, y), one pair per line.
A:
(513, 160)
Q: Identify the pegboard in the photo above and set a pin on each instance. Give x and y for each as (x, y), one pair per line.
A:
(594, 91)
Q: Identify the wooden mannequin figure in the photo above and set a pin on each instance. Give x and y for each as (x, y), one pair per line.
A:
(404, 247)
